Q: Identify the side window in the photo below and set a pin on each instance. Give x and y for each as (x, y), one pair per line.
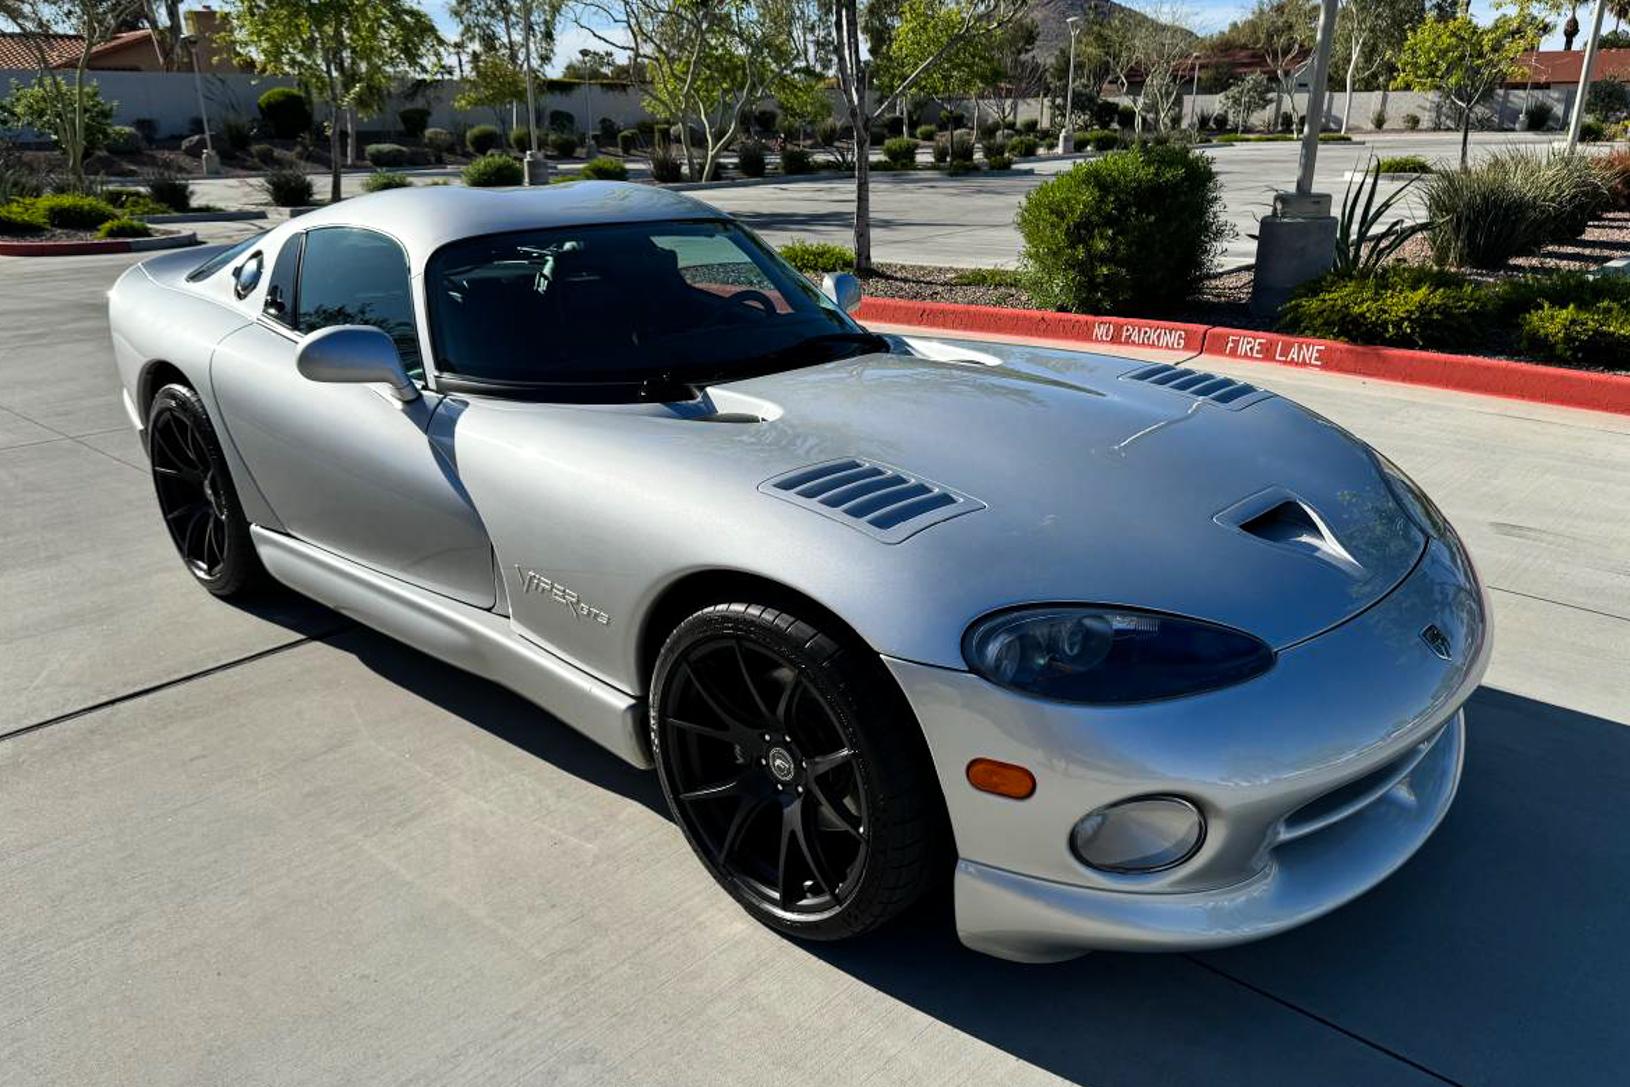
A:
(357, 277)
(280, 289)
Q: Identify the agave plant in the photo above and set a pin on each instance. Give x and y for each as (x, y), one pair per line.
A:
(1360, 249)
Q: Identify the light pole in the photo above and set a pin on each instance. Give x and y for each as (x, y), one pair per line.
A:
(1066, 132)
(210, 161)
(1194, 94)
(1585, 72)
(534, 167)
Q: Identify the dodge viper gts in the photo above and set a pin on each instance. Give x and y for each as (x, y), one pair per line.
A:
(1131, 655)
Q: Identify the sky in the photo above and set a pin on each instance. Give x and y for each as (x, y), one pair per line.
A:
(1208, 16)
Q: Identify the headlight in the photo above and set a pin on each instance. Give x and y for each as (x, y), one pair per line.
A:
(1142, 835)
(1109, 656)
(1413, 501)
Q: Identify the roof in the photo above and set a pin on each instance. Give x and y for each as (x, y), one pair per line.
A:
(1563, 65)
(425, 218)
(62, 50)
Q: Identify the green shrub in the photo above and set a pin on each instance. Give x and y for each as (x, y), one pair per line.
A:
(988, 277)
(1615, 170)
(520, 139)
(750, 159)
(19, 219)
(286, 112)
(563, 145)
(561, 120)
(481, 138)
(1405, 164)
(796, 160)
(1030, 125)
(1125, 116)
(439, 140)
(1134, 228)
(415, 121)
(995, 145)
(287, 187)
(604, 168)
(942, 148)
(1591, 130)
(263, 153)
(1101, 139)
(134, 202)
(962, 146)
(124, 228)
(65, 211)
(1537, 116)
(386, 155)
(818, 258)
(1412, 121)
(961, 167)
(1514, 297)
(1334, 137)
(1509, 204)
(998, 162)
(1378, 119)
(237, 133)
(901, 151)
(665, 165)
(380, 180)
(925, 133)
(1595, 336)
(493, 169)
(1022, 147)
(1402, 305)
(628, 140)
(172, 190)
(123, 140)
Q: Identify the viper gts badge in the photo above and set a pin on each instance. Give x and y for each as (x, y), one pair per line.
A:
(534, 582)
(1437, 642)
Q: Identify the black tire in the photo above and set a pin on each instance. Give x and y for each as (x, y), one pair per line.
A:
(805, 788)
(196, 496)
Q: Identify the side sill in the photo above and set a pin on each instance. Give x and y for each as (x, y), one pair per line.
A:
(465, 637)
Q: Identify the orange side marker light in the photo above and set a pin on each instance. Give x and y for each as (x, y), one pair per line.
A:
(1001, 778)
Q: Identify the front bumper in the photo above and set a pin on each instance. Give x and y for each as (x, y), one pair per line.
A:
(1317, 779)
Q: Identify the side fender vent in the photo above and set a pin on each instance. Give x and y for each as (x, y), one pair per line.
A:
(1200, 385)
(876, 499)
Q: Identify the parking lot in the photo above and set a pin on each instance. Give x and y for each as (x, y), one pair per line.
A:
(928, 218)
(263, 846)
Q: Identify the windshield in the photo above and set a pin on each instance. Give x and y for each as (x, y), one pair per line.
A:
(627, 302)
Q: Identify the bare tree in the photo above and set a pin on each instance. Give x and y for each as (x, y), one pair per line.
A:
(1162, 41)
(1369, 33)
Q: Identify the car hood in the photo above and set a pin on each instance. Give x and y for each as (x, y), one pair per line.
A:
(1099, 488)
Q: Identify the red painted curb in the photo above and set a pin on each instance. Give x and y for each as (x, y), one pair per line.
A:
(1098, 331)
(64, 249)
(1462, 373)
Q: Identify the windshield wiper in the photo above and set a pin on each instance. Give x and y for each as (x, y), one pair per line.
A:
(804, 352)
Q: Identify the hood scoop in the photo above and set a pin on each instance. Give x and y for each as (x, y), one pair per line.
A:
(1278, 517)
(1231, 394)
(879, 500)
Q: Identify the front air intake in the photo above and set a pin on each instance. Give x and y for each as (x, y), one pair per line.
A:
(876, 499)
(1197, 383)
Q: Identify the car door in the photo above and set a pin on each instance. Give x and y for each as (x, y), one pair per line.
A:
(350, 467)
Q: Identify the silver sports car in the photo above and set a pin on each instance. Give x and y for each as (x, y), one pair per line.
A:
(1141, 657)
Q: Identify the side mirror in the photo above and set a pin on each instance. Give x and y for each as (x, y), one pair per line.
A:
(842, 288)
(354, 353)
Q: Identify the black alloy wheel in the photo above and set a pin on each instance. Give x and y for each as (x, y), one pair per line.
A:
(795, 776)
(195, 493)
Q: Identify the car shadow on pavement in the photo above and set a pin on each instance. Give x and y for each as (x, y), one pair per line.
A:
(1500, 954)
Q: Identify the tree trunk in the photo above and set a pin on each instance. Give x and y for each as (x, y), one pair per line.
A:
(1347, 108)
(334, 158)
(863, 199)
(1465, 134)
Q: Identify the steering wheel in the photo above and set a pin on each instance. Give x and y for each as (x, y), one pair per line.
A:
(754, 298)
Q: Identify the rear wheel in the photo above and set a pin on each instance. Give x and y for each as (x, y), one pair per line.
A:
(196, 496)
(795, 771)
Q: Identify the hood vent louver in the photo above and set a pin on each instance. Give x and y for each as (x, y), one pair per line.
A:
(876, 499)
(1215, 388)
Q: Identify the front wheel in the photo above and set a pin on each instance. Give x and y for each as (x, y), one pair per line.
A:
(196, 496)
(795, 771)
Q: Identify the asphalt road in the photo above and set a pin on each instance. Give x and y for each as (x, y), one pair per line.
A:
(264, 846)
(928, 218)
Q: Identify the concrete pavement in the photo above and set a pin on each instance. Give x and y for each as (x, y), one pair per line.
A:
(269, 847)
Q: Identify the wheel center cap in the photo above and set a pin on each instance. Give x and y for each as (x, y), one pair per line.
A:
(781, 764)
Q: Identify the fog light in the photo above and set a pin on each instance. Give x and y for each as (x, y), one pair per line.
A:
(1142, 835)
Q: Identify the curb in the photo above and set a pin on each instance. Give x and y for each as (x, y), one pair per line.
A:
(203, 217)
(1506, 378)
(96, 245)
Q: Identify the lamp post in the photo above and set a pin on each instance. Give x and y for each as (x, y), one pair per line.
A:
(1194, 93)
(210, 161)
(1066, 133)
(534, 167)
(1585, 72)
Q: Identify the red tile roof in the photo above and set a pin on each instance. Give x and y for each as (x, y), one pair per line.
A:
(17, 50)
(1561, 66)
